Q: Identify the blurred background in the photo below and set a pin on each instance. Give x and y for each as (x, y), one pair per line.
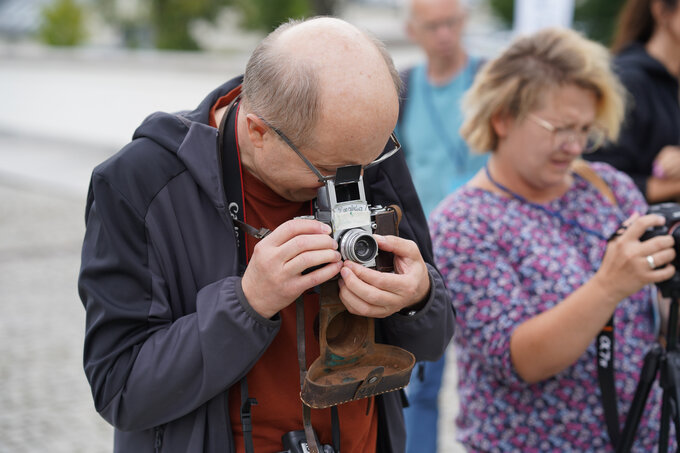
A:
(76, 78)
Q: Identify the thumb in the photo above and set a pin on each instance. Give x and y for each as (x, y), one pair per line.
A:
(395, 244)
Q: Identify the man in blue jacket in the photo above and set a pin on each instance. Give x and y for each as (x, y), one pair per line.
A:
(188, 317)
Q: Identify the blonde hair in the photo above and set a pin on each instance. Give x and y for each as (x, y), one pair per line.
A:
(516, 82)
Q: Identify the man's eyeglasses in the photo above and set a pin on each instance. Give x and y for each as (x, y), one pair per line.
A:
(589, 139)
(450, 23)
(319, 175)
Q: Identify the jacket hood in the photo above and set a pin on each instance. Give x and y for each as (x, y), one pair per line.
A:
(170, 129)
(635, 56)
(189, 135)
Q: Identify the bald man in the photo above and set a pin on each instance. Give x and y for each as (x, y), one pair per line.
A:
(438, 158)
(190, 319)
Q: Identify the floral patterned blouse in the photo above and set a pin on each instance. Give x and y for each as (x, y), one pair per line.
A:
(506, 261)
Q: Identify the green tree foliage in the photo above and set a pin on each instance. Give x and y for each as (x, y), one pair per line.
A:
(596, 18)
(504, 10)
(266, 15)
(62, 24)
(171, 19)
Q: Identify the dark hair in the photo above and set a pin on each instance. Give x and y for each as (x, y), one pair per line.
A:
(636, 22)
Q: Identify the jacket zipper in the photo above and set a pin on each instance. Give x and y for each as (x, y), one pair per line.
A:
(158, 431)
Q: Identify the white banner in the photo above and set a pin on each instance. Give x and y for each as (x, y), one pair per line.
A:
(532, 15)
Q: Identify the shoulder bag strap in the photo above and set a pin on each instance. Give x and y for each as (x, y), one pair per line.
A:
(585, 171)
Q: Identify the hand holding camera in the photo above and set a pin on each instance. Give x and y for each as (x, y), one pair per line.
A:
(274, 278)
(637, 258)
(374, 284)
(367, 292)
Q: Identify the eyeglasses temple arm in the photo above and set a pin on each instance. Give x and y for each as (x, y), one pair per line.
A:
(311, 166)
(387, 154)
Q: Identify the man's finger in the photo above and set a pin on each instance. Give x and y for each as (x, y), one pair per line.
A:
(395, 244)
(296, 227)
(386, 281)
(306, 243)
(379, 307)
(311, 259)
(319, 276)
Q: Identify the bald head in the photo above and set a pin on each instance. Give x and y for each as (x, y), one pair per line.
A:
(320, 71)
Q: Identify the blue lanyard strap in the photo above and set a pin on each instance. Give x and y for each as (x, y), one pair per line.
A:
(540, 207)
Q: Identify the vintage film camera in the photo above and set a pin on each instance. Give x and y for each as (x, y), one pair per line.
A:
(351, 365)
(341, 204)
(671, 212)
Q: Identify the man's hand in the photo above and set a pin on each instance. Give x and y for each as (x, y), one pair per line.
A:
(368, 292)
(273, 278)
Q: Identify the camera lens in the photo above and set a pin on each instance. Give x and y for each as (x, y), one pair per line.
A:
(358, 245)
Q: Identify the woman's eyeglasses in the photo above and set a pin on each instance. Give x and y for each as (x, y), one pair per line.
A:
(589, 138)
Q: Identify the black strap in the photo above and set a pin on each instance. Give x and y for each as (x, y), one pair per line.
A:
(231, 171)
(300, 321)
(335, 423)
(251, 230)
(605, 376)
(246, 419)
(231, 175)
(302, 362)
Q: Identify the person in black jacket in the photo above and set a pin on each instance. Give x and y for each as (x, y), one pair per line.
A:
(647, 48)
(182, 303)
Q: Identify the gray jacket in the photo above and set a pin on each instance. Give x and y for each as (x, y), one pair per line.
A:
(169, 330)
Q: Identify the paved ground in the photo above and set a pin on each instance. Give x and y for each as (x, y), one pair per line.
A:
(45, 400)
(63, 113)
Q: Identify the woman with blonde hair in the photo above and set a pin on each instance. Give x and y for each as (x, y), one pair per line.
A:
(525, 253)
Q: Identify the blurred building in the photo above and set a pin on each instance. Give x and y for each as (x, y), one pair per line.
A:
(20, 18)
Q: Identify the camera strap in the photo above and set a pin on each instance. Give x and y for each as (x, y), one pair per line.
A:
(302, 361)
(605, 377)
(246, 420)
(605, 339)
(307, 410)
(230, 160)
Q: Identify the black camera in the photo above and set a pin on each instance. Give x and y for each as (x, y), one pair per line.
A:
(670, 212)
(296, 442)
(341, 204)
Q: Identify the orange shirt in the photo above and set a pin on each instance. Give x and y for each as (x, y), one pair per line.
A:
(274, 381)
